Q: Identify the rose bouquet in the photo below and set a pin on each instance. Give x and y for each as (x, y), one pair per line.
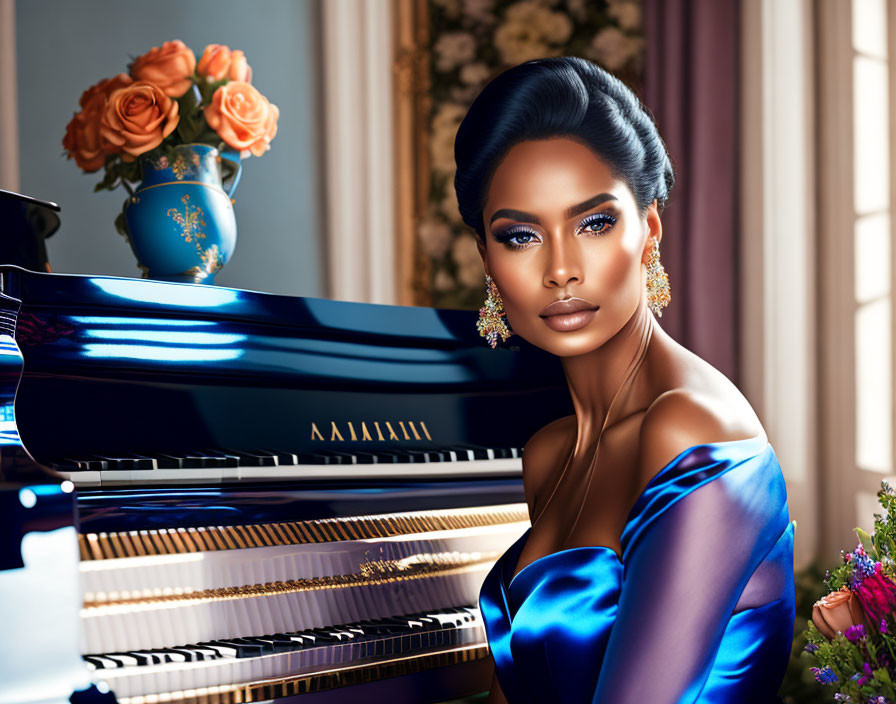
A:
(165, 100)
(852, 633)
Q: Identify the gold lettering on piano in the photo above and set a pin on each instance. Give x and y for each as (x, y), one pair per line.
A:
(393, 435)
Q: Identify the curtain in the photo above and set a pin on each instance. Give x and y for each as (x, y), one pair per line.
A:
(9, 131)
(691, 87)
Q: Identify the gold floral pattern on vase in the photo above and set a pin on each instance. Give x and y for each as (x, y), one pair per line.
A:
(191, 221)
(211, 264)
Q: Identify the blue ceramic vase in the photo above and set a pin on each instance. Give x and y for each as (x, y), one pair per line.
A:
(180, 219)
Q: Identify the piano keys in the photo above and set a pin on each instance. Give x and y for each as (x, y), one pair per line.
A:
(274, 497)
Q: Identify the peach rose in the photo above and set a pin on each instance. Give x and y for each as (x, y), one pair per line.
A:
(243, 117)
(137, 118)
(836, 612)
(169, 66)
(83, 140)
(239, 68)
(214, 62)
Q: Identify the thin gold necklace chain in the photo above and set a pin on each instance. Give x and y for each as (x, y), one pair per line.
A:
(628, 377)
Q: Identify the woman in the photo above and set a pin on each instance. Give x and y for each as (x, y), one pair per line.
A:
(658, 567)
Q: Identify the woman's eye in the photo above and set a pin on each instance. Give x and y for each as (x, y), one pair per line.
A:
(599, 224)
(515, 238)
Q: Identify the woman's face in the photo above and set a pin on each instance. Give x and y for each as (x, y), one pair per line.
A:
(559, 226)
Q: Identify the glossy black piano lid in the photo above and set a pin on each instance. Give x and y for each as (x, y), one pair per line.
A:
(118, 365)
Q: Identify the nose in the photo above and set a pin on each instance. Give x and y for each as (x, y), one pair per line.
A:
(563, 265)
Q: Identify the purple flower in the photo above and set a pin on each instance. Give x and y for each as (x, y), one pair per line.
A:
(855, 633)
(866, 668)
(811, 647)
(883, 626)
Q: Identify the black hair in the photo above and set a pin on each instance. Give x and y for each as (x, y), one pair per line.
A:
(562, 96)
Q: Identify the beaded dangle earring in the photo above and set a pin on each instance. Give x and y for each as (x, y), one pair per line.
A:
(491, 324)
(658, 295)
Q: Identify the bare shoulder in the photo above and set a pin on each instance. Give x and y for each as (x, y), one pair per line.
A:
(679, 419)
(544, 452)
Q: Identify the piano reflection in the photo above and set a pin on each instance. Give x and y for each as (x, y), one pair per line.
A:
(218, 495)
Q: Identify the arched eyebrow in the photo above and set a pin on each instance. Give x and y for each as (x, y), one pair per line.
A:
(571, 212)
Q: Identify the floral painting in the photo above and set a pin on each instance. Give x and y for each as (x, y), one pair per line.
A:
(472, 41)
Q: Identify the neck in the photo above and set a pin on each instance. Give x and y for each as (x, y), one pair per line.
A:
(596, 377)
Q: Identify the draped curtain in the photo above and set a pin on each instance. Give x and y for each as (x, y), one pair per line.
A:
(9, 130)
(691, 87)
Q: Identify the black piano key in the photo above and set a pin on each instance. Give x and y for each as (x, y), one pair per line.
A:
(242, 650)
(284, 457)
(222, 459)
(189, 654)
(70, 464)
(168, 461)
(201, 460)
(312, 458)
(325, 636)
(141, 658)
(365, 458)
(101, 662)
(172, 655)
(269, 644)
(253, 458)
(152, 657)
(479, 453)
(123, 659)
(127, 463)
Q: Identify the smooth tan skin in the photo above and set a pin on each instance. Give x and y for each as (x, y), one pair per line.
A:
(676, 400)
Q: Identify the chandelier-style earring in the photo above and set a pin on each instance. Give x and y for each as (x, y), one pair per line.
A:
(491, 323)
(658, 295)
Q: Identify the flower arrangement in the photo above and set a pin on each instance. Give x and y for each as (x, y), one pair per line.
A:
(472, 42)
(167, 99)
(852, 633)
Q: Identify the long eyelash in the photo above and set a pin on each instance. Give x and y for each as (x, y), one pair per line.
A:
(507, 235)
(597, 218)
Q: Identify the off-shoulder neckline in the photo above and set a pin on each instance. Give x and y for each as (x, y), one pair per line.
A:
(757, 444)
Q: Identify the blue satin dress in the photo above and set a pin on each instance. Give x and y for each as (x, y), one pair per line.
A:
(700, 606)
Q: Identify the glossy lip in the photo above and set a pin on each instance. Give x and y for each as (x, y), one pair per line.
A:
(566, 306)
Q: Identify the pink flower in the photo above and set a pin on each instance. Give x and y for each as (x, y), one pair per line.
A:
(877, 593)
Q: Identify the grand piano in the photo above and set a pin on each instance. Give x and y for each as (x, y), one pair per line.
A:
(220, 495)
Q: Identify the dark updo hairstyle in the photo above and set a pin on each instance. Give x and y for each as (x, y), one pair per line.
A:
(561, 96)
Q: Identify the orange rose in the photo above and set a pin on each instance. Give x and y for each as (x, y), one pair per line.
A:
(836, 612)
(137, 118)
(83, 140)
(169, 66)
(214, 62)
(239, 68)
(243, 117)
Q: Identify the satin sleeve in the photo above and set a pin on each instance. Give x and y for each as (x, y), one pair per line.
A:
(684, 572)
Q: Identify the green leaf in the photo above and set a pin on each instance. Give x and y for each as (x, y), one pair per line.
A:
(867, 543)
(121, 224)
